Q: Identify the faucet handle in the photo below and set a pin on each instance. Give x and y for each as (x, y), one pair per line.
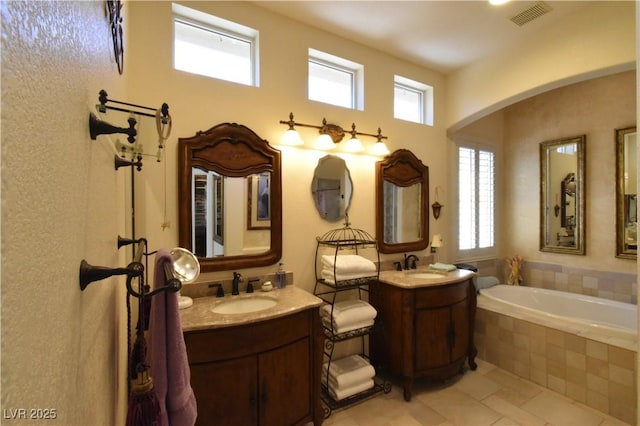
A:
(250, 285)
(220, 292)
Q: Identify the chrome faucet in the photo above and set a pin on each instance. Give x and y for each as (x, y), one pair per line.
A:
(410, 261)
(237, 279)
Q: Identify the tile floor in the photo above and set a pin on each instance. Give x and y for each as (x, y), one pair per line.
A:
(487, 396)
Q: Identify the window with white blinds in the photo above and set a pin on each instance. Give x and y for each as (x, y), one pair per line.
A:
(476, 202)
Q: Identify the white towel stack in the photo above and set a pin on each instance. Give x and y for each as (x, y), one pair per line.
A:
(348, 376)
(346, 267)
(348, 315)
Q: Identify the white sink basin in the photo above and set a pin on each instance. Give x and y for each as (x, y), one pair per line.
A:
(244, 305)
(425, 275)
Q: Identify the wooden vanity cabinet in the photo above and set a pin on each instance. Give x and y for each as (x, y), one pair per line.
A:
(426, 331)
(265, 373)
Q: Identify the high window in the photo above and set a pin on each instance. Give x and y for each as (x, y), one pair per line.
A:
(334, 80)
(476, 202)
(214, 47)
(412, 101)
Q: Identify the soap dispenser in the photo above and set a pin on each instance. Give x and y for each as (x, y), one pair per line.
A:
(281, 277)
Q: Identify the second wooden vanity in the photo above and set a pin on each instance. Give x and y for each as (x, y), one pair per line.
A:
(258, 368)
(426, 325)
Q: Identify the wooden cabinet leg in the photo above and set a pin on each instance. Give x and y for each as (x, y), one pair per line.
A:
(408, 384)
(472, 358)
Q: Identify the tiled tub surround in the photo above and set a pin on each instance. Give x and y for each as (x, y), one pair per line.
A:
(594, 370)
(619, 286)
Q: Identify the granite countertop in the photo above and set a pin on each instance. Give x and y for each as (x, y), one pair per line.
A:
(412, 279)
(290, 300)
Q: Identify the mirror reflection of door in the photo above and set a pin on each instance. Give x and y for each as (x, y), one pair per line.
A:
(220, 206)
(329, 199)
(401, 222)
(208, 213)
(562, 161)
(331, 188)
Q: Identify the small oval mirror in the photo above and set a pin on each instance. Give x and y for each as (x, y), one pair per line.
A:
(332, 188)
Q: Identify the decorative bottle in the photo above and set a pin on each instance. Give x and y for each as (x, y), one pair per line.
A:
(281, 277)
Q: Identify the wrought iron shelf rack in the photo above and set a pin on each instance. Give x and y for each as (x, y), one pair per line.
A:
(347, 240)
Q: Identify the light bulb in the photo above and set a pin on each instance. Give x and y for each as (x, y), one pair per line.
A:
(380, 148)
(291, 138)
(353, 145)
(324, 142)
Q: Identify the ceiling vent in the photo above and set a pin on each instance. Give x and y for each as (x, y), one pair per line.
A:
(529, 14)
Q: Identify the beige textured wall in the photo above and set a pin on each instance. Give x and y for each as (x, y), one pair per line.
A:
(595, 41)
(594, 108)
(198, 103)
(62, 349)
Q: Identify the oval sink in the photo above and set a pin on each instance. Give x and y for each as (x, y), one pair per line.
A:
(244, 306)
(426, 275)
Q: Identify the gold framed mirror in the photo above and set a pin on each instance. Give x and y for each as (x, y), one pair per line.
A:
(230, 198)
(626, 194)
(563, 195)
(402, 203)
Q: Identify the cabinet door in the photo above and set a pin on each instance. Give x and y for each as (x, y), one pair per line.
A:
(460, 330)
(285, 384)
(226, 392)
(432, 334)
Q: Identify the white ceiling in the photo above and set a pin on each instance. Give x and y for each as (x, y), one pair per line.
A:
(440, 35)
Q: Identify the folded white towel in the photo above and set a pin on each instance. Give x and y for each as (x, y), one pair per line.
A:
(348, 264)
(349, 312)
(348, 371)
(338, 393)
(329, 277)
(348, 327)
(443, 266)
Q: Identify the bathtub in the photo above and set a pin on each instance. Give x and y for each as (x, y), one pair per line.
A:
(593, 313)
(580, 346)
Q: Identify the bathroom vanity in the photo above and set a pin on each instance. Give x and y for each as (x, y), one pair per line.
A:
(427, 323)
(256, 368)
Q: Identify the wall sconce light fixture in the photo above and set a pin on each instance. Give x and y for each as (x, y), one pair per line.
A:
(436, 242)
(331, 135)
(436, 206)
(130, 155)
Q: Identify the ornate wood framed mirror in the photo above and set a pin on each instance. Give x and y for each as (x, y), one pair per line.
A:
(626, 194)
(230, 198)
(563, 195)
(402, 203)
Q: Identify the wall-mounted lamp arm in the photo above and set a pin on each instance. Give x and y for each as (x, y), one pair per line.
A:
(99, 127)
(103, 107)
(90, 273)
